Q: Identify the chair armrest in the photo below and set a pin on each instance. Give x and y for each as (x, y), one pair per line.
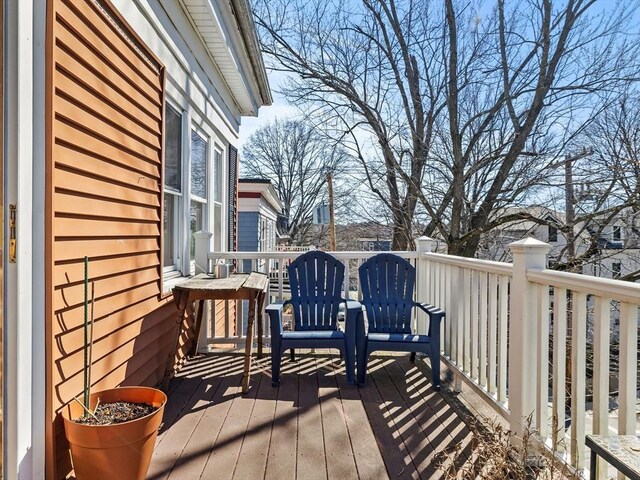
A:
(354, 321)
(274, 310)
(435, 317)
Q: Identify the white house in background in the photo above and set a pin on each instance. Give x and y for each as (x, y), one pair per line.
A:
(120, 121)
(618, 244)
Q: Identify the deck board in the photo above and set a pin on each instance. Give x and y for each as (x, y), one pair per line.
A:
(314, 426)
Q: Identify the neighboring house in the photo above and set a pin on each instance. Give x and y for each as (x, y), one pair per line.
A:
(375, 244)
(121, 119)
(258, 210)
(618, 243)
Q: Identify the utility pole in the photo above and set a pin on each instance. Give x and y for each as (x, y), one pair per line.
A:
(570, 218)
(569, 212)
(332, 224)
(569, 199)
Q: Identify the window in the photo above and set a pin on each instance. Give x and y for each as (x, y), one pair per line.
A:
(553, 233)
(172, 189)
(187, 192)
(199, 188)
(615, 269)
(217, 199)
(617, 233)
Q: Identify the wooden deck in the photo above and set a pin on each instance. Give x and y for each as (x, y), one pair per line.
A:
(315, 426)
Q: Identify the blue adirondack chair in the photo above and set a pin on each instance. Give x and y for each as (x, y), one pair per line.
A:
(316, 280)
(387, 283)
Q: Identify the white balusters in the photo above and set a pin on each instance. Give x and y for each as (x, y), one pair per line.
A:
(559, 366)
(578, 376)
(601, 335)
(628, 368)
(543, 361)
(503, 314)
(482, 331)
(493, 332)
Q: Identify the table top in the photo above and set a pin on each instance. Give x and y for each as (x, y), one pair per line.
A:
(623, 448)
(205, 283)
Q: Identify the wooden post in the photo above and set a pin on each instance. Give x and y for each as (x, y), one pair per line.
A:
(528, 253)
(332, 224)
(423, 245)
(203, 243)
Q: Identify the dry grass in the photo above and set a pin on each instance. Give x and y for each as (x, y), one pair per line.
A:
(495, 457)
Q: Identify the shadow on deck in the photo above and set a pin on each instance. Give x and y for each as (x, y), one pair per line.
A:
(315, 426)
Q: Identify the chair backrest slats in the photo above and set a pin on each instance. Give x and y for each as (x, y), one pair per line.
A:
(316, 290)
(387, 283)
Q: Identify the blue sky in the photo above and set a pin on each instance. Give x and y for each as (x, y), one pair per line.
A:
(280, 109)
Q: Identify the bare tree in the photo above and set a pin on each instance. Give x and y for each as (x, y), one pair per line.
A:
(296, 158)
(455, 112)
(607, 192)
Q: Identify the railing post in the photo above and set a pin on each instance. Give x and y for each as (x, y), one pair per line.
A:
(523, 361)
(423, 245)
(203, 244)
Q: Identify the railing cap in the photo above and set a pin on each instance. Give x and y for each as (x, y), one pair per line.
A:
(529, 244)
(424, 244)
(202, 234)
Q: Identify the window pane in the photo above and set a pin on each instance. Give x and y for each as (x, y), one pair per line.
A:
(168, 258)
(197, 215)
(217, 175)
(198, 165)
(217, 228)
(173, 149)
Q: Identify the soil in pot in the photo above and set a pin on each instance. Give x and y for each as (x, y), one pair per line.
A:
(116, 412)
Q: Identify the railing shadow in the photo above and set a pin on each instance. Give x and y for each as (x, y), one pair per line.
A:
(411, 423)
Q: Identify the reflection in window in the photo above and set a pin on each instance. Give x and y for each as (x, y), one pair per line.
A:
(198, 187)
(172, 187)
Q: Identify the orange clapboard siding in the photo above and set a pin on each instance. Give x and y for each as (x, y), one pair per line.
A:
(72, 271)
(75, 136)
(91, 58)
(71, 204)
(105, 288)
(70, 318)
(75, 159)
(85, 182)
(70, 248)
(109, 54)
(69, 88)
(104, 188)
(77, 66)
(88, 12)
(77, 112)
(104, 227)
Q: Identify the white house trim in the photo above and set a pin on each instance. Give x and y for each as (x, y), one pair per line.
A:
(24, 361)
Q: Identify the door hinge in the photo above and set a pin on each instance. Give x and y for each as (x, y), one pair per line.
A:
(12, 233)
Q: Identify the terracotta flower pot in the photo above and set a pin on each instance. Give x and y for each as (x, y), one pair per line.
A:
(121, 450)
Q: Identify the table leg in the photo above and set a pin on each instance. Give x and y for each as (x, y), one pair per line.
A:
(248, 345)
(260, 301)
(181, 300)
(592, 473)
(196, 329)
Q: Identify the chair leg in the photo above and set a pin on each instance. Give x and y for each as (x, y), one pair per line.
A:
(435, 367)
(362, 356)
(349, 364)
(412, 357)
(292, 352)
(276, 361)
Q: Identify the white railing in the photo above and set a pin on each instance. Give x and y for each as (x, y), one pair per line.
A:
(496, 335)
(499, 320)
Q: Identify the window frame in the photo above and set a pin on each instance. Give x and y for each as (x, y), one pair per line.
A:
(174, 271)
(191, 121)
(206, 214)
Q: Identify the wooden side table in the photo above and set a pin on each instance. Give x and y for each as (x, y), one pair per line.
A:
(621, 451)
(242, 286)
